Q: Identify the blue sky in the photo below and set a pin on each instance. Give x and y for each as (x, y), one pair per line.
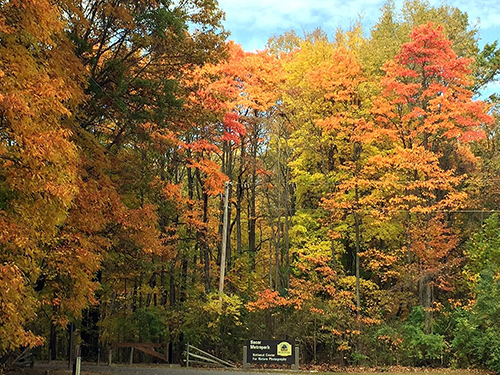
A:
(252, 22)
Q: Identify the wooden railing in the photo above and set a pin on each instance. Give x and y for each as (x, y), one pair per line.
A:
(26, 358)
(147, 348)
(200, 357)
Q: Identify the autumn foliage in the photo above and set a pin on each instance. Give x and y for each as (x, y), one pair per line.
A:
(359, 187)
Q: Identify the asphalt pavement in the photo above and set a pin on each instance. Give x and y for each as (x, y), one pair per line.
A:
(150, 370)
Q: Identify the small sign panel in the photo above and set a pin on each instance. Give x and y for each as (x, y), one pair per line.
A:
(271, 352)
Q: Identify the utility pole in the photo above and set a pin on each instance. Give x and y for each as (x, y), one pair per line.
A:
(225, 229)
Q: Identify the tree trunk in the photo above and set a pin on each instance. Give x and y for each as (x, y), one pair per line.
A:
(239, 201)
(252, 215)
(356, 262)
(356, 256)
(172, 297)
(53, 341)
(204, 244)
(426, 300)
(240, 190)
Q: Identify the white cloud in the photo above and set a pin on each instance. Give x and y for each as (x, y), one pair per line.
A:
(260, 19)
(488, 11)
(252, 22)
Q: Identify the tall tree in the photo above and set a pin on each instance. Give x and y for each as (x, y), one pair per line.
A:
(40, 88)
(395, 26)
(427, 114)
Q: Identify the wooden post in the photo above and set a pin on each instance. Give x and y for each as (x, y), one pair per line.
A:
(167, 353)
(295, 366)
(246, 365)
(98, 355)
(70, 351)
(131, 355)
(110, 356)
(78, 363)
(187, 355)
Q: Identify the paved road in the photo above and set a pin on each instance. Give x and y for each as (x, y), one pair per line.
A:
(144, 370)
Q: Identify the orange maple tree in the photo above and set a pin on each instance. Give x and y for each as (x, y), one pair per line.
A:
(424, 118)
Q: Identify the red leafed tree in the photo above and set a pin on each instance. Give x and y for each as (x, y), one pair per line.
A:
(424, 118)
(426, 100)
(237, 93)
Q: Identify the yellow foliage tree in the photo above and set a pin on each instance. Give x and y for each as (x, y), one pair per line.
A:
(40, 82)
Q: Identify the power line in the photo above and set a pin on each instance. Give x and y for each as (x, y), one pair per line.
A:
(388, 210)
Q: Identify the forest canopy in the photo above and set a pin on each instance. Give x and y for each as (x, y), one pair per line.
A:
(357, 174)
